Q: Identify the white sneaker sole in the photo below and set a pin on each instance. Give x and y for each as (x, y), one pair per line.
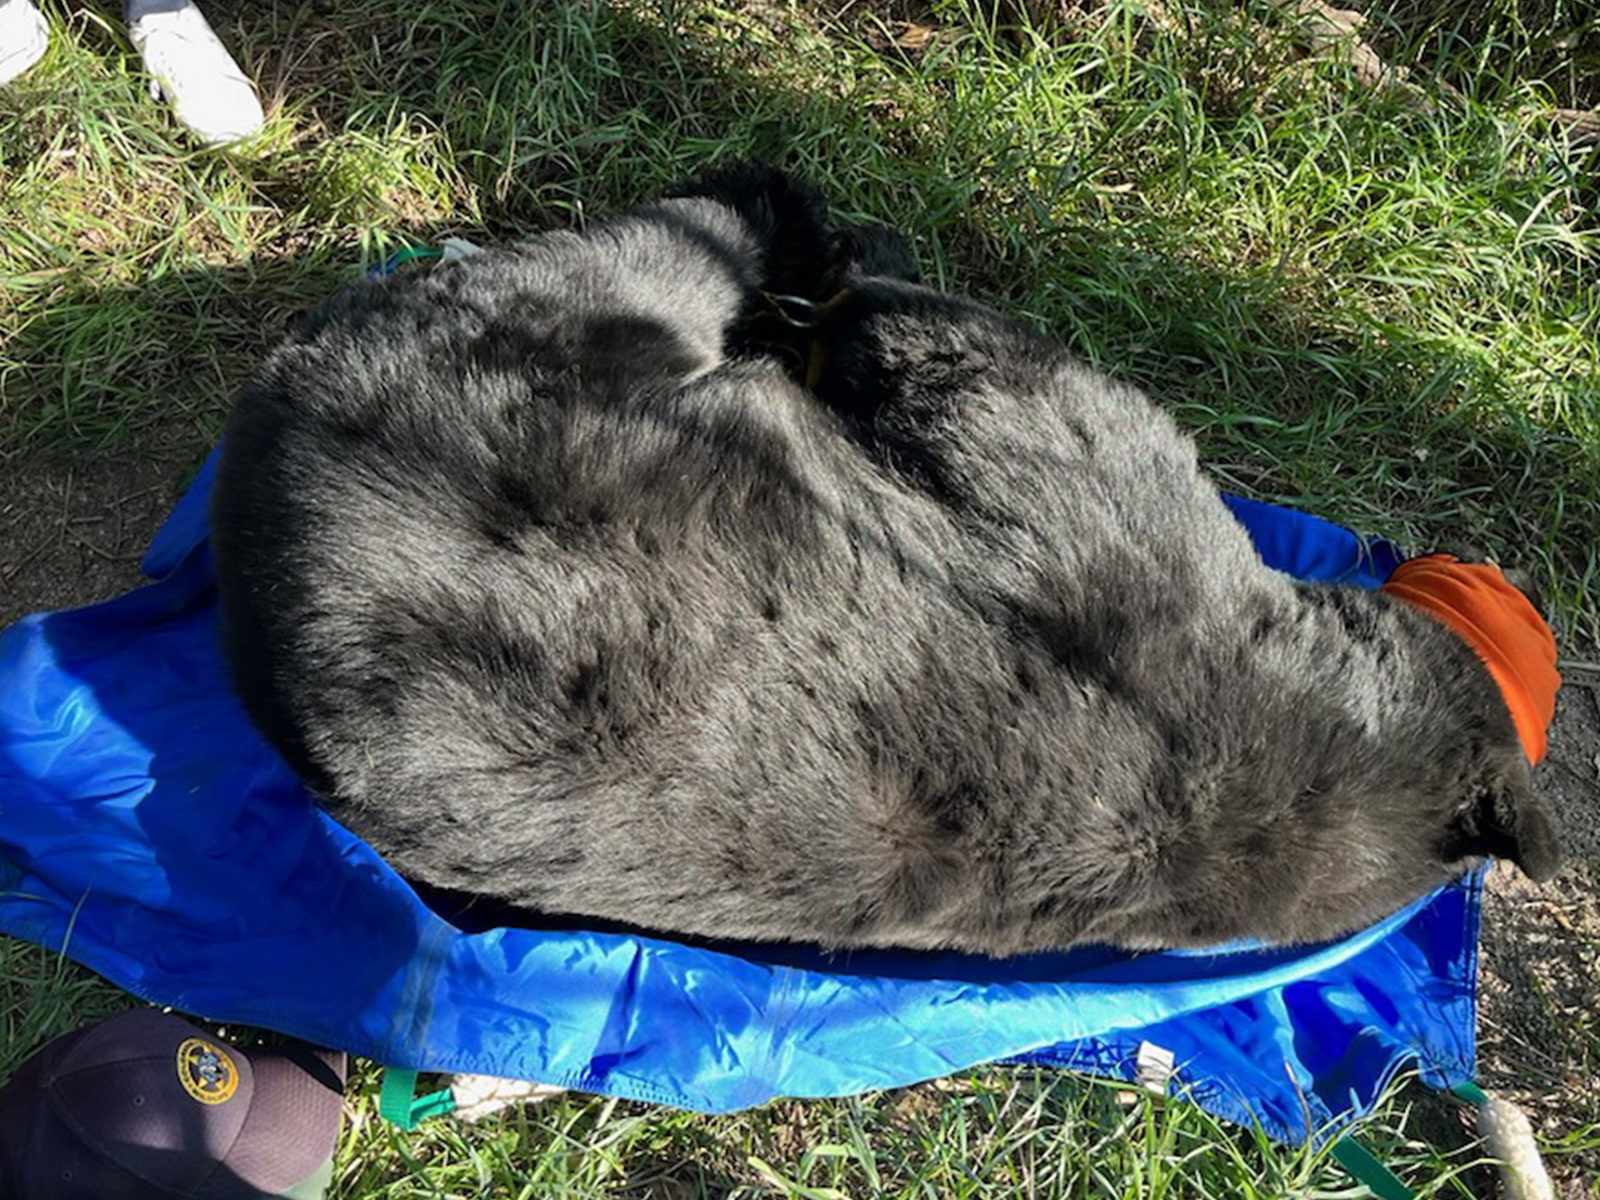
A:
(208, 92)
(24, 37)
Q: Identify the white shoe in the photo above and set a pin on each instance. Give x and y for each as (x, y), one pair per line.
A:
(206, 88)
(23, 38)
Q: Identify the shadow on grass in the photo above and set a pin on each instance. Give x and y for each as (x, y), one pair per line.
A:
(552, 114)
(103, 364)
(670, 1175)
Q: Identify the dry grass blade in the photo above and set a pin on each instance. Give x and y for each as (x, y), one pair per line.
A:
(1335, 34)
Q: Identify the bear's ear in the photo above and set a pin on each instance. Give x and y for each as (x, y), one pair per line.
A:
(789, 218)
(1506, 820)
(873, 249)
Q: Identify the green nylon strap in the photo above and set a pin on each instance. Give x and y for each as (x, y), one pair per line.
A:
(1365, 1167)
(405, 255)
(399, 1104)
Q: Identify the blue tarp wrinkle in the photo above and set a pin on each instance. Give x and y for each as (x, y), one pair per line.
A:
(147, 832)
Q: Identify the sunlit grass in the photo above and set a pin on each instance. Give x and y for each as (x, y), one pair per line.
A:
(1382, 315)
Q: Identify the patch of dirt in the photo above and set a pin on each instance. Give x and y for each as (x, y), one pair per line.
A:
(72, 530)
(1539, 975)
(1569, 779)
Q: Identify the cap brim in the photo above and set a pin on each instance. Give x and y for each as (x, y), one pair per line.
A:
(292, 1127)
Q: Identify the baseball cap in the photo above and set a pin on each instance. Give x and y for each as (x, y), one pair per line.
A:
(144, 1105)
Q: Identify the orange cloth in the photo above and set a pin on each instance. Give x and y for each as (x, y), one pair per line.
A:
(1497, 621)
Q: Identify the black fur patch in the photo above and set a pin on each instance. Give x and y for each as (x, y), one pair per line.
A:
(556, 585)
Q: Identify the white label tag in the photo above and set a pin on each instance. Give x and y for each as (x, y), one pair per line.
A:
(1154, 1067)
(457, 248)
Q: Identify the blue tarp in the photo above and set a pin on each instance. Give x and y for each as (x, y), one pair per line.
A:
(147, 832)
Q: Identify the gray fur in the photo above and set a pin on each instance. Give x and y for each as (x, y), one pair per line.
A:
(561, 592)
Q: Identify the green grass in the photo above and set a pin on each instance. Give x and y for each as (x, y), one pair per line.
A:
(996, 1134)
(1384, 316)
